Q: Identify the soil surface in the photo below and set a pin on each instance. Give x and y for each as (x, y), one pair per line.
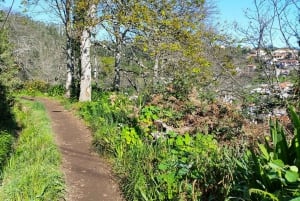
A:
(88, 177)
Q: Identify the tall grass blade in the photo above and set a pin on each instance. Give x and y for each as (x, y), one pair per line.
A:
(296, 124)
(281, 147)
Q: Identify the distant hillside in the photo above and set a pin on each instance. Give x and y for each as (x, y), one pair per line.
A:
(38, 49)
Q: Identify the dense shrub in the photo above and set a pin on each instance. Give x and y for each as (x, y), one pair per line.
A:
(171, 167)
(179, 167)
(156, 163)
(7, 122)
(56, 90)
(33, 87)
(7, 125)
(271, 172)
(6, 141)
(106, 117)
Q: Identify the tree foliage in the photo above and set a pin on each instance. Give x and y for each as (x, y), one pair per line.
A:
(8, 69)
(162, 38)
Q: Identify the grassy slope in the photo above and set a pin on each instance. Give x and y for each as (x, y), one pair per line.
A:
(33, 172)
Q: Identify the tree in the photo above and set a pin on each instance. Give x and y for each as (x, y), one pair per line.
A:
(8, 78)
(85, 20)
(78, 17)
(64, 9)
(8, 68)
(117, 26)
(121, 24)
(147, 33)
(172, 33)
(273, 23)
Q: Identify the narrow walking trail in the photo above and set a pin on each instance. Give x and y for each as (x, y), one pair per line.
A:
(88, 177)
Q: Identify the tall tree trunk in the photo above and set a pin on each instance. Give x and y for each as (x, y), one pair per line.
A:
(85, 55)
(86, 70)
(70, 69)
(95, 75)
(155, 71)
(69, 48)
(117, 79)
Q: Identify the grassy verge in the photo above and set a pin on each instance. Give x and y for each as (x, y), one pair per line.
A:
(171, 167)
(6, 141)
(33, 172)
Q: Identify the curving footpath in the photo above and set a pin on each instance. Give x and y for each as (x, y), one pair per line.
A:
(88, 177)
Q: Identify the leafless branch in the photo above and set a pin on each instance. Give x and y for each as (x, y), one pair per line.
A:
(9, 10)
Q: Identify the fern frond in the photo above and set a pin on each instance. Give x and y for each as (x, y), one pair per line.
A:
(263, 194)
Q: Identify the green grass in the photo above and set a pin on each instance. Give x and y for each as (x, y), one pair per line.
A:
(174, 167)
(33, 171)
(6, 141)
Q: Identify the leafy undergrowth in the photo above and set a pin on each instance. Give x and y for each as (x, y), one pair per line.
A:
(6, 142)
(270, 171)
(39, 88)
(169, 149)
(7, 127)
(153, 157)
(33, 173)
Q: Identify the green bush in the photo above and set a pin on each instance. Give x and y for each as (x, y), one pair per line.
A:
(6, 141)
(181, 88)
(272, 171)
(7, 100)
(56, 90)
(105, 138)
(112, 108)
(106, 117)
(34, 87)
(173, 167)
(179, 167)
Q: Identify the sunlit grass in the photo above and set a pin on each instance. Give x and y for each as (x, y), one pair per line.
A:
(33, 172)
(173, 167)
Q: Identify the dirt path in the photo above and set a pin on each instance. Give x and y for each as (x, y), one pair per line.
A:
(88, 177)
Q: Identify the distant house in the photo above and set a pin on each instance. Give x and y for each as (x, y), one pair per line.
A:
(284, 54)
(276, 55)
(258, 53)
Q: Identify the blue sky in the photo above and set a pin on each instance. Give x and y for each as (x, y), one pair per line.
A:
(233, 10)
(7, 4)
(36, 12)
(230, 10)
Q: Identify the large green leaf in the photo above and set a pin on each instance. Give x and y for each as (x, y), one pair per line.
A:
(279, 142)
(291, 176)
(264, 151)
(277, 164)
(294, 168)
(274, 132)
